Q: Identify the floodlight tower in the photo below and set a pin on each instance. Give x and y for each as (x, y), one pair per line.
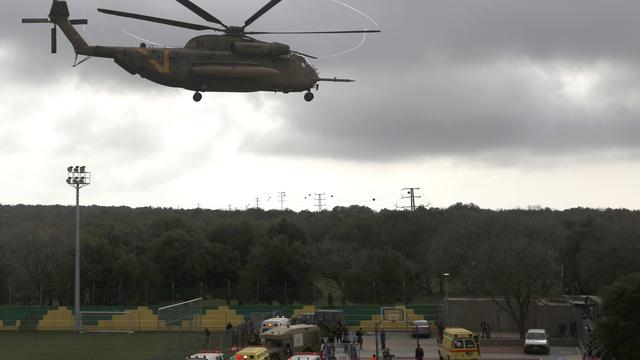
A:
(77, 178)
(446, 289)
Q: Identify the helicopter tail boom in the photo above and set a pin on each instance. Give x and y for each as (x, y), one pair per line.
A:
(59, 16)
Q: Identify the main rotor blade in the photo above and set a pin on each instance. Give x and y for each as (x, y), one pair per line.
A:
(261, 12)
(79, 21)
(311, 32)
(35, 21)
(305, 55)
(159, 20)
(201, 12)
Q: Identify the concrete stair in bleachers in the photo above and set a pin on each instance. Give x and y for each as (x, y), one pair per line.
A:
(217, 319)
(305, 309)
(14, 327)
(60, 319)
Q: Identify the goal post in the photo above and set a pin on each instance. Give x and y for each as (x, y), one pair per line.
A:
(392, 314)
(106, 322)
(179, 329)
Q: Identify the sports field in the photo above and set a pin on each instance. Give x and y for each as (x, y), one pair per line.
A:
(70, 346)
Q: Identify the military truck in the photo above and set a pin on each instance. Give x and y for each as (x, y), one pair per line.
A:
(282, 342)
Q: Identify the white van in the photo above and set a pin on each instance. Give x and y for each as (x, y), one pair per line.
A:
(274, 323)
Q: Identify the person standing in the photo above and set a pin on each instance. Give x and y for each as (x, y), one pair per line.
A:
(488, 329)
(207, 338)
(440, 330)
(419, 353)
(383, 338)
(359, 338)
(483, 328)
(562, 327)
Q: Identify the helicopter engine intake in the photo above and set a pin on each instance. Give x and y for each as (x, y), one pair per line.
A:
(263, 50)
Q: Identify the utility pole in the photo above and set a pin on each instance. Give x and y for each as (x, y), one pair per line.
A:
(320, 198)
(412, 196)
(282, 195)
(257, 203)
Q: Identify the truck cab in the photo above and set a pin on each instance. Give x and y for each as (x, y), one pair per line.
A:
(274, 323)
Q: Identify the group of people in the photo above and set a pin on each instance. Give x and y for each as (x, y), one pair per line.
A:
(485, 328)
(207, 335)
(340, 335)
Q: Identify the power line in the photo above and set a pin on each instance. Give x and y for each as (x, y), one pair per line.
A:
(412, 197)
(320, 198)
(282, 195)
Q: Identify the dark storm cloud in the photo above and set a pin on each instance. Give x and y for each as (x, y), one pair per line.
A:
(449, 111)
(444, 77)
(463, 79)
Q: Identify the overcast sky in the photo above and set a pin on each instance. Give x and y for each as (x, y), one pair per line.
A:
(503, 103)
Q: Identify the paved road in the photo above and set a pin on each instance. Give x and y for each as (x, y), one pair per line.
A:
(403, 347)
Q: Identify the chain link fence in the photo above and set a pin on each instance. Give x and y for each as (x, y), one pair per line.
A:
(122, 295)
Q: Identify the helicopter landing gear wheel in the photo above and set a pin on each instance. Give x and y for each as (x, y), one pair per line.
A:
(309, 96)
(197, 97)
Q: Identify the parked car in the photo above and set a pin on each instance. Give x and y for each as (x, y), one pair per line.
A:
(536, 340)
(421, 328)
(206, 355)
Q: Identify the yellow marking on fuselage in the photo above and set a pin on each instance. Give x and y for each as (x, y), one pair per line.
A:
(164, 68)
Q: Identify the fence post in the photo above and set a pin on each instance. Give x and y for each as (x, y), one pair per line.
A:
(375, 301)
(313, 300)
(404, 292)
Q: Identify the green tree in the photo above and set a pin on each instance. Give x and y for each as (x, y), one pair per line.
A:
(619, 325)
(283, 257)
(514, 264)
(379, 276)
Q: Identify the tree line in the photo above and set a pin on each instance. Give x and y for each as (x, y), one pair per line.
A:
(513, 254)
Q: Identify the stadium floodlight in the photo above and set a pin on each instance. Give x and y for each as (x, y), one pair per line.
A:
(77, 178)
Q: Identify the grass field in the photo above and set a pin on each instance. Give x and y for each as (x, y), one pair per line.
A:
(70, 346)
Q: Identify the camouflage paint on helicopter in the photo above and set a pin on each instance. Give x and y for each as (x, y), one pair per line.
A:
(232, 62)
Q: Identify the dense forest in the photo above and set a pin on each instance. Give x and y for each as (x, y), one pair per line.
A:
(363, 256)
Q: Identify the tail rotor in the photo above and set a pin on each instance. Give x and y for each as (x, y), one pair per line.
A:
(59, 12)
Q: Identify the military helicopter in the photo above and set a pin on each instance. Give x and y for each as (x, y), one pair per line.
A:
(232, 61)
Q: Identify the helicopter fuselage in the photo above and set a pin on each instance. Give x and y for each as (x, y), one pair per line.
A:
(216, 63)
(233, 62)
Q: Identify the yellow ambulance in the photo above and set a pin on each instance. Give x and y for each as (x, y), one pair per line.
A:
(459, 344)
(252, 353)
